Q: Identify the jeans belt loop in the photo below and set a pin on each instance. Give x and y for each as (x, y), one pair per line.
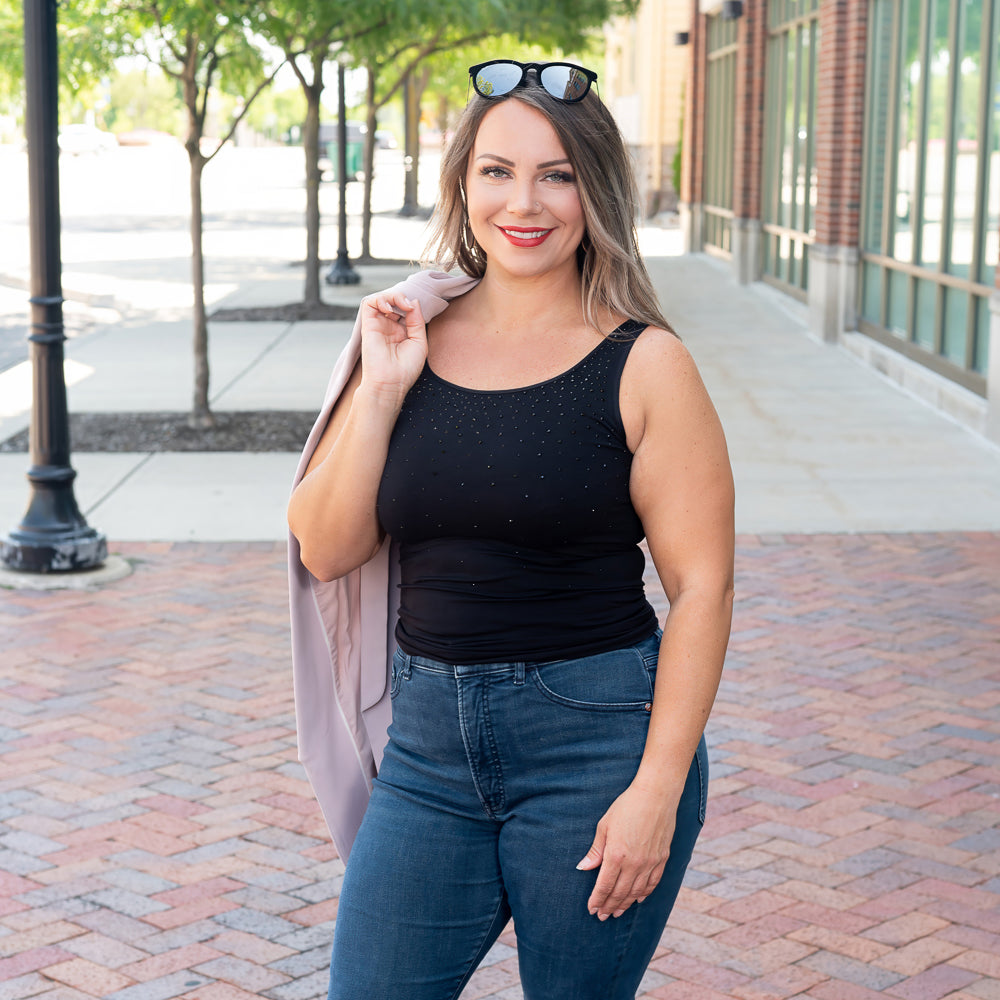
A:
(518, 674)
(407, 665)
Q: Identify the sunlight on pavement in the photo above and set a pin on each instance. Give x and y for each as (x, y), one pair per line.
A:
(16, 384)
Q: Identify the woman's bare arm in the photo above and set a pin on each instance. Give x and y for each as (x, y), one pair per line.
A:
(332, 511)
(682, 490)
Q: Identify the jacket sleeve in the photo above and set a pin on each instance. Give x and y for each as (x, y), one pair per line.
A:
(342, 630)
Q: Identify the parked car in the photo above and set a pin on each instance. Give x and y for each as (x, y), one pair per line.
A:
(384, 139)
(76, 139)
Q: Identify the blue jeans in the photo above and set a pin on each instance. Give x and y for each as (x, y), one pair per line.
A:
(492, 785)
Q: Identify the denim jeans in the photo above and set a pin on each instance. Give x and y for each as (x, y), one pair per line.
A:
(492, 784)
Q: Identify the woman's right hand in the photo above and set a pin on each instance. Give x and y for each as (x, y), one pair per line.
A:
(332, 511)
(393, 345)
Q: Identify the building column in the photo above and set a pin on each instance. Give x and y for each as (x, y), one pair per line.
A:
(748, 142)
(840, 113)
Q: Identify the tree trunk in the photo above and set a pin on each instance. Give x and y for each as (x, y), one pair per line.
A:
(201, 414)
(411, 146)
(418, 84)
(310, 147)
(371, 120)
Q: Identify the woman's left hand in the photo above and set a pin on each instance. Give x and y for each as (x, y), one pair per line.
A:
(631, 847)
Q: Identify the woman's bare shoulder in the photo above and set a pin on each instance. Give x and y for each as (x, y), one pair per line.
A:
(657, 356)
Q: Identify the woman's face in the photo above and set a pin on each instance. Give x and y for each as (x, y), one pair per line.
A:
(524, 205)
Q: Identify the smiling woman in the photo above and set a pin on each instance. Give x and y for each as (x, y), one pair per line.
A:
(527, 197)
(493, 450)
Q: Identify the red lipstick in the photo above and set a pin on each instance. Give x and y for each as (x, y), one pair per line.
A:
(525, 236)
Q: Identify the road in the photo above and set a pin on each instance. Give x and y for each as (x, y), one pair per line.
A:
(125, 226)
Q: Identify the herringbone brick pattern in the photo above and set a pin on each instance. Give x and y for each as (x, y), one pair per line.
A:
(157, 839)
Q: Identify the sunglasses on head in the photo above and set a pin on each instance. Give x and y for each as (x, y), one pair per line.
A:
(564, 81)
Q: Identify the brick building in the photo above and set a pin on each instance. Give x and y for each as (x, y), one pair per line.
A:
(846, 152)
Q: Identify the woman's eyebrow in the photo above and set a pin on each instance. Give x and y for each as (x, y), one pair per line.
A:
(510, 163)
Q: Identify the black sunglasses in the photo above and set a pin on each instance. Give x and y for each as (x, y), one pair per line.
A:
(564, 81)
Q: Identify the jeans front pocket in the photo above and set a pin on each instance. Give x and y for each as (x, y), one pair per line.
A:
(616, 681)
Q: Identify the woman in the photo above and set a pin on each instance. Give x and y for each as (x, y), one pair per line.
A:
(515, 433)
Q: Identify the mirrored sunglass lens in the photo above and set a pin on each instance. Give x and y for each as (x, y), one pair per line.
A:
(564, 82)
(499, 79)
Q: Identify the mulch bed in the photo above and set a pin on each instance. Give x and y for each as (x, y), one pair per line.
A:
(254, 431)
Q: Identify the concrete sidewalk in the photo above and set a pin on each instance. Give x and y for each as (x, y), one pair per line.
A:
(819, 442)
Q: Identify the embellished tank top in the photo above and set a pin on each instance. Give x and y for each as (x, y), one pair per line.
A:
(518, 538)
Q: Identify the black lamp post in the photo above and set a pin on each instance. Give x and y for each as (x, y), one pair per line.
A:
(341, 273)
(53, 535)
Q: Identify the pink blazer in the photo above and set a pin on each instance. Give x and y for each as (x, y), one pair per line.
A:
(342, 631)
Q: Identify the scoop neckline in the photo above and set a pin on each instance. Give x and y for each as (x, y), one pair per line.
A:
(534, 385)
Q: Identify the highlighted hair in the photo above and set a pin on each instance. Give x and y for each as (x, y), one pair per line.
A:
(614, 276)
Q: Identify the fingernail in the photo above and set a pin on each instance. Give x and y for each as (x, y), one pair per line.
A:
(617, 913)
(407, 302)
(603, 916)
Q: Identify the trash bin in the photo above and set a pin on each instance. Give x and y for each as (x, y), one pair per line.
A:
(355, 149)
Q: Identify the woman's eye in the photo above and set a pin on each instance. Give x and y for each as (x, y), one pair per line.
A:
(493, 171)
(560, 177)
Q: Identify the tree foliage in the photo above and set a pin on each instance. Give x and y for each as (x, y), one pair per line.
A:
(433, 38)
(88, 44)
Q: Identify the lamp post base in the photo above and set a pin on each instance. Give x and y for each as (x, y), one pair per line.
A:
(67, 551)
(341, 272)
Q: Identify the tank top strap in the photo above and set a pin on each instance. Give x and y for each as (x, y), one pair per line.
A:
(620, 342)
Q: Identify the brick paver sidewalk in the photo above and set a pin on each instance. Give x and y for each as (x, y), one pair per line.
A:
(157, 838)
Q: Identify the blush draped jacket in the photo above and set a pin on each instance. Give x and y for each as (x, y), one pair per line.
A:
(342, 631)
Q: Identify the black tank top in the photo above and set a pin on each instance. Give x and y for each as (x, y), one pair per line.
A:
(518, 538)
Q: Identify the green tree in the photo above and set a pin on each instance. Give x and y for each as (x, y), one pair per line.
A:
(393, 57)
(201, 47)
(144, 98)
(87, 47)
(310, 34)
(400, 52)
(278, 113)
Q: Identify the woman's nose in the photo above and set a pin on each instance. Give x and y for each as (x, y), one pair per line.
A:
(522, 200)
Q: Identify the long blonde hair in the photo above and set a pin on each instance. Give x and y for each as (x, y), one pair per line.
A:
(614, 276)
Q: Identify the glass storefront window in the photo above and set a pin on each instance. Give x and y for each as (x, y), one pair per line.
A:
(720, 102)
(878, 124)
(965, 150)
(899, 303)
(931, 205)
(923, 334)
(991, 142)
(790, 175)
(956, 316)
(908, 119)
(981, 347)
(935, 152)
